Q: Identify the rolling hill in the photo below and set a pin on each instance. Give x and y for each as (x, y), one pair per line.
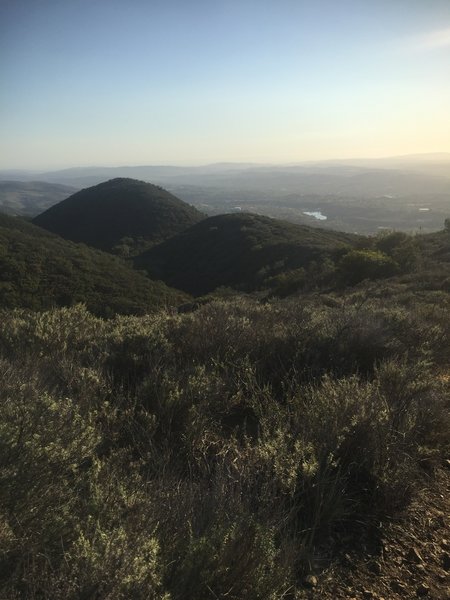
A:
(121, 215)
(239, 250)
(29, 198)
(39, 270)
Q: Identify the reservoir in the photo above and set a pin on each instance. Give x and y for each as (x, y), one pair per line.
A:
(316, 214)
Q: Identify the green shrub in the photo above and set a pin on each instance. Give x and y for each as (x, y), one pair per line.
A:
(357, 265)
(209, 454)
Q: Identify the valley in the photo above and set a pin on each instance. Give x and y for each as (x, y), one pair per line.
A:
(410, 193)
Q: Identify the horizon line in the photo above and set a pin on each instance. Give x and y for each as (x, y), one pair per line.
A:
(181, 165)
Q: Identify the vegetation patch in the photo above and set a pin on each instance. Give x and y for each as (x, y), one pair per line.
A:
(215, 453)
(39, 270)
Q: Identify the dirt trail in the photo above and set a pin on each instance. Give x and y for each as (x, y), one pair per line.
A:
(410, 559)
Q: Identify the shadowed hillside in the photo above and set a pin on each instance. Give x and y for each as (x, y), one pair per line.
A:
(39, 270)
(240, 250)
(120, 215)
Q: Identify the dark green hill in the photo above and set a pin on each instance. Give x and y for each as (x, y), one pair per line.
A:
(39, 270)
(121, 215)
(243, 251)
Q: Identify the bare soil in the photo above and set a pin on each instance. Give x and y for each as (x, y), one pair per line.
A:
(407, 557)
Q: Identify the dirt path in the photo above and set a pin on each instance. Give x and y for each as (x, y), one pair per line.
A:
(410, 559)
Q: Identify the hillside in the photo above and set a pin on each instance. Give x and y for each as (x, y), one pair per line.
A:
(121, 215)
(287, 448)
(29, 198)
(246, 451)
(39, 270)
(241, 250)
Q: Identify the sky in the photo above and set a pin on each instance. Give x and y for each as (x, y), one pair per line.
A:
(128, 82)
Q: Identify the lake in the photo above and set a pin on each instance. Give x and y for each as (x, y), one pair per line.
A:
(316, 214)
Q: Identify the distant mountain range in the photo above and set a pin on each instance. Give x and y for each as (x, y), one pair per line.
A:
(320, 173)
(410, 193)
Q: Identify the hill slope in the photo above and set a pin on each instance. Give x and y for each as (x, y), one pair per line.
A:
(125, 212)
(238, 250)
(39, 270)
(29, 198)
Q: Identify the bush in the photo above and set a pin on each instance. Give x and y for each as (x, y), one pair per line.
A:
(211, 453)
(357, 265)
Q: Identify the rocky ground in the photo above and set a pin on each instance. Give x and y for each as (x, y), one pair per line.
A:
(408, 557)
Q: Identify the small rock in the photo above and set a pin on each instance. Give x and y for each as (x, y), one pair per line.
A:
(368, 595)
(446, 561)
(445, 544)
(423, 590)
(397, 586)
(310, 581)
(414, 555)
(375, 567)
(439, 520)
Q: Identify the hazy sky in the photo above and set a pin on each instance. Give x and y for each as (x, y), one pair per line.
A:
(111, 82)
